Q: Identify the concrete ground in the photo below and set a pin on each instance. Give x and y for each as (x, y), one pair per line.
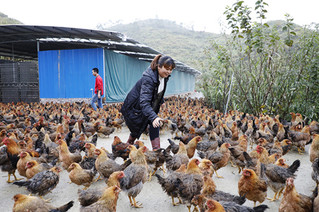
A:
(152, 196)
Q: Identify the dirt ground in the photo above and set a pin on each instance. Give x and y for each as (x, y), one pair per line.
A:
(152, 196)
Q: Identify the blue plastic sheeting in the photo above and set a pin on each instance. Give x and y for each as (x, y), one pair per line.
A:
(68, 73)
(121, 74)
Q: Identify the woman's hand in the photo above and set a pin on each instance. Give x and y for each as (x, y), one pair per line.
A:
(157, 122)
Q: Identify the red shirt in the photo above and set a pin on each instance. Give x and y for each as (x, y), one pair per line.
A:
(98, 84)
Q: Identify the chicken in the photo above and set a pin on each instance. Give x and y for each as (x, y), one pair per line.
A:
(65, 156)
(281, 162)
(119, 149)
(106, 166)
(81, 176)
(10, 157)
(168, 184)
(106, 203)
(314, 127)
(175, 161)
(314, 148)
(33, 167)
(206, 167)
(293, 201)
(91, 195)
(190, 183)
(219, 159)
(315, 171)
(135, 175)
(300, 139)
(106, 131)
(201, 200)
(214, 206)
(22, 162)
(173, 147)
(154, 159)
(186, 138)
(191, 146)
(250, 185)
(277, 176)
(43, 182)
(24, 203)
(316, 201)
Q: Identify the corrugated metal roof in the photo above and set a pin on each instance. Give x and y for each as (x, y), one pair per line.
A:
(24, 41)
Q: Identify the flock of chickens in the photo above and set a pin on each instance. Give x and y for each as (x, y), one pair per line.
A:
(41, 140)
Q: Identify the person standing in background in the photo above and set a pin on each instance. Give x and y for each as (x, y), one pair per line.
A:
(143, 102)
(98, 89)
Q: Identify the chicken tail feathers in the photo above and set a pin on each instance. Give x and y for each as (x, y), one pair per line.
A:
(260, 208)
(240, 200)
(64, 208)
(294, 166)
(22, 183)
(161, 180)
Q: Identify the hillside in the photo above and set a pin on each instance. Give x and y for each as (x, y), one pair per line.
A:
(4, 19)
(168, 37)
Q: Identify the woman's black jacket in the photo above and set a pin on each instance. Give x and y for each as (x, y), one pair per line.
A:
(138, 105)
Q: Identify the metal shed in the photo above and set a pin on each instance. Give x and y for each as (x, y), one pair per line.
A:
(66, 57)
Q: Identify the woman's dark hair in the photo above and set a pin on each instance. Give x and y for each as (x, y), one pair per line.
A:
(96, 70)
(160, 60)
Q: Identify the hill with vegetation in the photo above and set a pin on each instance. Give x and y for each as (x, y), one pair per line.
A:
(4, 19)
(169, 38)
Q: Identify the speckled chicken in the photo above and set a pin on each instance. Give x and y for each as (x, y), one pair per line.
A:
(43, 182)
(175, 161)
(135, 175)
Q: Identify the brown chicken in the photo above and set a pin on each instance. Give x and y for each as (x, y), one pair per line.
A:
(214, 206)
(191, 146)
(91, 195)
(23, 203)
(281, 162)
(206, 167)
(314, 127)
(175, 161)
(119, 149)
(33, 167)
(106, 203)
(9, 157)
(43, 182)
(314, 148)
(293, 201)
(81, 176)
(135, 175)
(219, 159)
(22, 162)
(65, 156)
(250, 185)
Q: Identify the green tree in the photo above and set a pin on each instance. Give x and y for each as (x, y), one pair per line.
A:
(275, 71)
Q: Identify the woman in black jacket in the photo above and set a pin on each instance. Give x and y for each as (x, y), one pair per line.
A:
(143, 102)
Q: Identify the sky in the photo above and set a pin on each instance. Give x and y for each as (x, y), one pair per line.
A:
(201, 15)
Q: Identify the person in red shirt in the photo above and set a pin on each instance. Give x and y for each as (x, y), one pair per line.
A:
(98, 90)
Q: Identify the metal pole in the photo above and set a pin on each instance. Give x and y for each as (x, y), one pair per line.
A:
(231, 84)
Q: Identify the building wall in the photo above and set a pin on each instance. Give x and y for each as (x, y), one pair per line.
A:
(67, 74)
